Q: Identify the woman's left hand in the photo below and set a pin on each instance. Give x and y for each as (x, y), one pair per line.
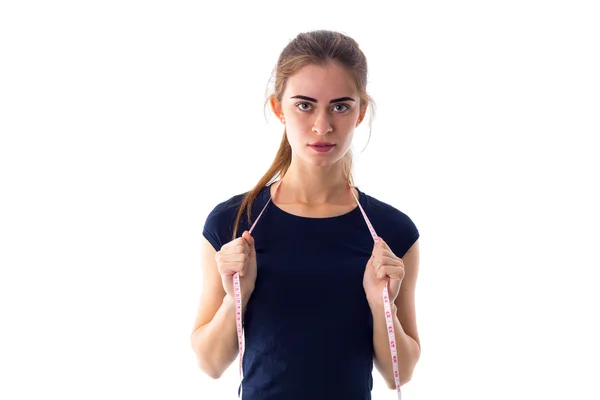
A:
(383, 266)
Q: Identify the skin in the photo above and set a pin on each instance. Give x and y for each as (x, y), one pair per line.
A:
(314, 186)
(314, 179)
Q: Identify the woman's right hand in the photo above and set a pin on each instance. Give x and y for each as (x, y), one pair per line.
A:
(239, 255)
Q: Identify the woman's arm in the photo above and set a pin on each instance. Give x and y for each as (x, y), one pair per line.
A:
(408, 345)
(214, 336)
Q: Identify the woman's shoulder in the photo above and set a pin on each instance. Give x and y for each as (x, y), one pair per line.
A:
(231, 205)
(228, 206)
(384, 208)
(392, 222)
(220, 221)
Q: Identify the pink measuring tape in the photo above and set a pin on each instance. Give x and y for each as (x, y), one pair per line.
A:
(386, 303)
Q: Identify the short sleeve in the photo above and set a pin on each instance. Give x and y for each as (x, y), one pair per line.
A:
(404, 233)
(210, 233)
(218, 227)
(411, 238)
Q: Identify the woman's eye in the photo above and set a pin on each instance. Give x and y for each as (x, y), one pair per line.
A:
(345, 107)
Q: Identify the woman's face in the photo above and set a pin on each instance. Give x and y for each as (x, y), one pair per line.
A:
(319, 105)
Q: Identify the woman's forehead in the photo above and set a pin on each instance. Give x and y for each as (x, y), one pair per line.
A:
(320, 83)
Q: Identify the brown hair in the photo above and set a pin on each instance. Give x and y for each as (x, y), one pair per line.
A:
(316, 48)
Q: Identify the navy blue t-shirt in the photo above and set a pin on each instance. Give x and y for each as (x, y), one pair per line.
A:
(308, 327)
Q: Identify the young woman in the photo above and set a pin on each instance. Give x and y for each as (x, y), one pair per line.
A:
(311, 268)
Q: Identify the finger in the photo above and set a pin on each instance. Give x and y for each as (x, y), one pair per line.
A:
(379, 260)
(377, 265)
(226, 259)
(391, 260)
(236, 242)
(250, 241)
(233, 262)
(371, 263)
(383, 243)
(238, 249)
(381, 253)
(392, 271)
(228, 269)
(231, 267)
(241, 241)
(380, 244)
(383, 270)
(384, 249)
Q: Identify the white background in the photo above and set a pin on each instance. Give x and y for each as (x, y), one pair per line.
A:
(123, 123)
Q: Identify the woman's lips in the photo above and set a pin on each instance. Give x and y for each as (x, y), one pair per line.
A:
(322, 148)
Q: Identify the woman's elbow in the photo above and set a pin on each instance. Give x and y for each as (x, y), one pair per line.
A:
(203, 360)
(391, 384)
(210, 370)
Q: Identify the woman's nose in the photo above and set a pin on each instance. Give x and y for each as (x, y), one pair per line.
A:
(322, 125)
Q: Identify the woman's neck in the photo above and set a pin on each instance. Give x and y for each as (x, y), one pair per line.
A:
(314, 186)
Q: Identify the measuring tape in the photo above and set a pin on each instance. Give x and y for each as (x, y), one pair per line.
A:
(386, 303)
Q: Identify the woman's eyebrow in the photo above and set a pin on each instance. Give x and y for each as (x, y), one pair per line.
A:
(316, 101)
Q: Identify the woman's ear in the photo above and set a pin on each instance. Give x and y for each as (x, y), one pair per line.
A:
(363, 111)
(276, 107)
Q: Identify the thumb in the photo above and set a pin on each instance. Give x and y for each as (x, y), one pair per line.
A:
(382, 243)
(250, 240)
(370, 262)
(379, 244)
